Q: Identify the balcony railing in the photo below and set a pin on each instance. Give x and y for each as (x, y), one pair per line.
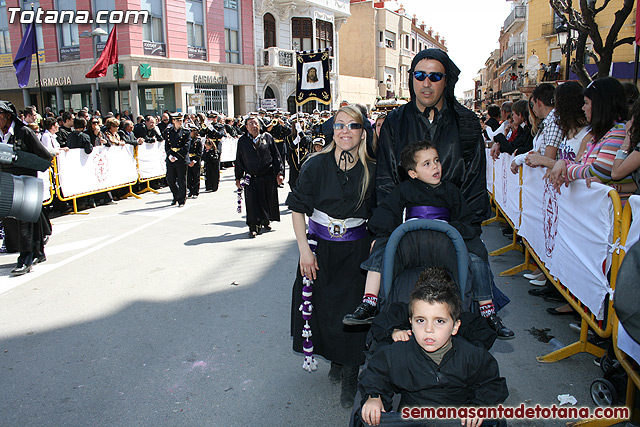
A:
(549, 28)
(516, 49)
(512, 85)
(278, 58)
(519, 12)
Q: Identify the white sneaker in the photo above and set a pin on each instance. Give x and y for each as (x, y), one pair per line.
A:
(532, 276)
(541, 282)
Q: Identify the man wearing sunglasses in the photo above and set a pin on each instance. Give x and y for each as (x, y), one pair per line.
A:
(434, 115)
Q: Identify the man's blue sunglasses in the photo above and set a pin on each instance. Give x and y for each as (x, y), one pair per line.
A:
(434, 77)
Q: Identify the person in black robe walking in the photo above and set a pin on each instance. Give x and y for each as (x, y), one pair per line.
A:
(334, 190)
(258, 159)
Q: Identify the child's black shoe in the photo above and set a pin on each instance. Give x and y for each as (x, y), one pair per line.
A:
(363, 315)
(496, 324)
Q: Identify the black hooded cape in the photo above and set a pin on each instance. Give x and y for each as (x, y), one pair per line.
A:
(457, 138)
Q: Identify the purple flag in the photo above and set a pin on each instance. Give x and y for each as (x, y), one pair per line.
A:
(22, 61)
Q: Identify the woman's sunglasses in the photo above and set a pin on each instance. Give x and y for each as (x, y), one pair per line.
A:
(352, 126)
(434, 77)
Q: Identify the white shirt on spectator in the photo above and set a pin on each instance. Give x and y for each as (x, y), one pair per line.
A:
(50, 141)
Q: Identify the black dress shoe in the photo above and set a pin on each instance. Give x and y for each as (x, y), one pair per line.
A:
(39, 260)
(180, 204)
(173, 203)
(541, 292)
(253, 234)
(554, 312)
(363, 315)
(266, 227)
(496, 324)
(20, 270)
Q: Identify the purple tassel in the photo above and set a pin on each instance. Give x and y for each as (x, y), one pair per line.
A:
(243, 183)
(310, 364)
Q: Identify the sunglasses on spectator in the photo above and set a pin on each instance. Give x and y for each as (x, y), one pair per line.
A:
(434, 77)
(352, 126)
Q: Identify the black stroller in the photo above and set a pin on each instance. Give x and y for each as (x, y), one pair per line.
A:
(414, 246)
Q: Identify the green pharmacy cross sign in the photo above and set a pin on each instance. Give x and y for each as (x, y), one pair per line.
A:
(145, 71)
(118, 71)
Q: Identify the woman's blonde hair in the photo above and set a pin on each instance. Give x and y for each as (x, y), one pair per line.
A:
(112, 122)
(355, 113)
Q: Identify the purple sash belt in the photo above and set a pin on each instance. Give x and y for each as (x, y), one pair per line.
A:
(337, 231)
(428, 212)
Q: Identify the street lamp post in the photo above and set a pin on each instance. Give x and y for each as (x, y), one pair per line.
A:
(97, 32)
(566, 36)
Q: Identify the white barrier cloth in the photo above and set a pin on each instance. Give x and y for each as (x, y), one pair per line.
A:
(81, 173)
(507, 188)
(634, 230)
(627, 344)
(152, 160)
(228, 149)
(489, 170)
(46, 185)
(570, 232)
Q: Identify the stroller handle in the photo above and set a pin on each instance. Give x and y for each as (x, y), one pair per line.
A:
(424, 224)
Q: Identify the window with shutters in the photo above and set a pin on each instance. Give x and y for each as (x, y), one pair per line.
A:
(269, 30)
(301, 34)
(324, 35)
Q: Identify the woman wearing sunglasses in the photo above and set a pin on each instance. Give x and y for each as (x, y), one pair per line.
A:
(333, 190)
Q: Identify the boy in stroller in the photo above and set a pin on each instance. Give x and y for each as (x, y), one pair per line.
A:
(426, 196)
(431, 367)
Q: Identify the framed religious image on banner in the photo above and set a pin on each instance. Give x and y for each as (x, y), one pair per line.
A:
(312, 77)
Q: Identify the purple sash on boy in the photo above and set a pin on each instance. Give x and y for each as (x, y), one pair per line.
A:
(428, 212)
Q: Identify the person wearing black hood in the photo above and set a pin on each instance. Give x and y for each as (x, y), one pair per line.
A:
(32, 235)
(434, 115)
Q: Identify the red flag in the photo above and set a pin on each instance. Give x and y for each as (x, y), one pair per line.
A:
(637, 29)
(108, 56)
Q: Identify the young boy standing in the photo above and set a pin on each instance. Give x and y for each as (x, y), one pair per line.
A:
(433, 368)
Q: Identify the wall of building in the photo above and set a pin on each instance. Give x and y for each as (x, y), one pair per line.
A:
(358, 42)
(357, 90)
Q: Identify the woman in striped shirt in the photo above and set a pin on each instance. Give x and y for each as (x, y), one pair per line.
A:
(606, 109)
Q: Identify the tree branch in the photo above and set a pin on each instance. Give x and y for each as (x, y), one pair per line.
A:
(626, 40)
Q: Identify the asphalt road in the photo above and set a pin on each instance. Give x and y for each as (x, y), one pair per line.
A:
(151, 315)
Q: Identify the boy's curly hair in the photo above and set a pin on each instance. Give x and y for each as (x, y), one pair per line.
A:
(408, 155)
(436, 285)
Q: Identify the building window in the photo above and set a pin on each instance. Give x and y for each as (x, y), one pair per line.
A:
(231, 31)
(26, 5)
(215, 97)
(389, 39)
(301, 34)
(69, 32)
(101, 41)
(324, 35)
(152, 31)
(5, 41)
(195, 24)
(269, 23)
(406, 42)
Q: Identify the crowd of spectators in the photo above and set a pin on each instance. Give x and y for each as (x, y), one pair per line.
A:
(576, 133)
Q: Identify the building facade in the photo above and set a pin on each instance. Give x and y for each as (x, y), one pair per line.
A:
(283, 27)
(375, 59)
(530, 52)
(186, 47)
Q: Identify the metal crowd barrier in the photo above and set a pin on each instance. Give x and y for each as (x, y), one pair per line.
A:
(58, 193)
(605, 328)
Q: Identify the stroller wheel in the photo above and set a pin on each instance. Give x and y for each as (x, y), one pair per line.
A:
(603, 392)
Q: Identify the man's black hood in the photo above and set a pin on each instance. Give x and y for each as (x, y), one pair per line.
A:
(451, 70)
